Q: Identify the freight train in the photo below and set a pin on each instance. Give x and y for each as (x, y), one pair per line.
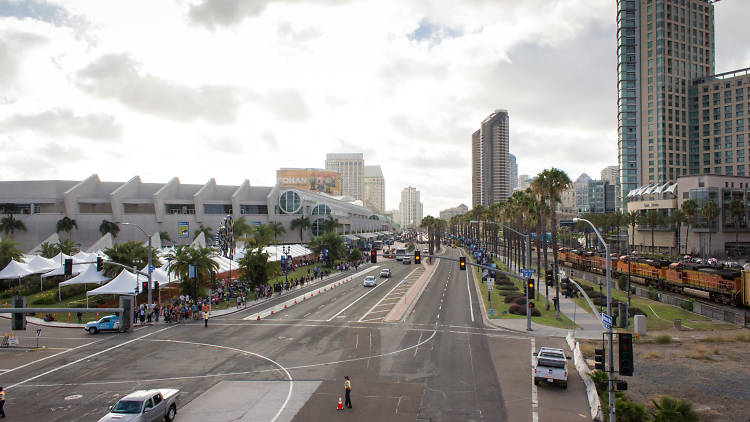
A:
(723, 285)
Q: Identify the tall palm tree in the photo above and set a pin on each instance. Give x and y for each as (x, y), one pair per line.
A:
(109, 227)
(690, 208)
(555, 181)
(67, 246)
(10, 224)
(633, 217)
(678, 219)
(202, 258)
(277, 229)
(617, 220)
(737, 209)
(331, 224)
(302, 223)
(9, 251)
(241, 227)
(48, 250)
(710, 211)
(208, 232)
(130, 254)
(66, 225)
(652, 218)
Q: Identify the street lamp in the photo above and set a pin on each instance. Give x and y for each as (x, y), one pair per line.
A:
(609, 312)
(150, 252)
(528, 266)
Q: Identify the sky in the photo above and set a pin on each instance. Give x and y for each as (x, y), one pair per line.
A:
(234, 89)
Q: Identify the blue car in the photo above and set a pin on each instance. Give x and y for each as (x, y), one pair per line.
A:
(107, 323)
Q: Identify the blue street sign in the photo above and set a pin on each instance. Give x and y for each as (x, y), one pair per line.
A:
(193, 270)
(151, 268)
(607, 320)
(492, 312)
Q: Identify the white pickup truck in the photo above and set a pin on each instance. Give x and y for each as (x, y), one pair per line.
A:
(145, 406)
(551, 367)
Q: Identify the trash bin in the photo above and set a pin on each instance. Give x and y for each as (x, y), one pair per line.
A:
(678, 324)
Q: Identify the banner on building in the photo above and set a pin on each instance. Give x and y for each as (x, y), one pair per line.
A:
(183, 230)
(313, 180)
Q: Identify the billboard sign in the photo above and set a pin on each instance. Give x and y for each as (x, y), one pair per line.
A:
(183, 230)
(313, 180)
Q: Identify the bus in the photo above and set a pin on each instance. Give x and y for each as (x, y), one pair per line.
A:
(400, 254)
(377, 245)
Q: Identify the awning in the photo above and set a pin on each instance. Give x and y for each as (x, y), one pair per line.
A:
(15, 269)
(126, 283)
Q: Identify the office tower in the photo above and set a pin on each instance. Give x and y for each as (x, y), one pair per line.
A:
(581, 186)
(610, 174)
(524, 181)
(512, 172)
(490, 178)
(374, 192)
(351, 167)
(410, 209)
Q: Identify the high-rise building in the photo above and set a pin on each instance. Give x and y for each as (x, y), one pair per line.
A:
(410, 209)
(610, 174)
(512, 171)
(351, 167)
(581, 186)
(374, 192)
(490, 176)
(601, 196)
(524, 181)
(449, 213)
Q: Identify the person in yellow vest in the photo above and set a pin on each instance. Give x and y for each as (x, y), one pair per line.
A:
(205, 316)
(348, 388)
(2, 402)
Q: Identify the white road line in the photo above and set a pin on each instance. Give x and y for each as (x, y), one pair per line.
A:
(381, 299)
(355, 301)
(534, 397)
(85, 358)
(7, 371)
(356, 345)
(471, 308)
(417, 349)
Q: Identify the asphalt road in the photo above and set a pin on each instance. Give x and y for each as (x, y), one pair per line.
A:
(441, 364)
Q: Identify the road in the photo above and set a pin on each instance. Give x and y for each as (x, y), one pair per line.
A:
(442, 363)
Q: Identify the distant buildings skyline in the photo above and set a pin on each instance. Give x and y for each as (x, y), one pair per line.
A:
(410, 208)
(490, 172)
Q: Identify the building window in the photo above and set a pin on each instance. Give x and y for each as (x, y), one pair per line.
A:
(290, 202)
(318, 226)
(254, 209)
(180, 208)
(217, 209)
(321, 209)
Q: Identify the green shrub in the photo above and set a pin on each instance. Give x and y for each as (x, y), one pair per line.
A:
(511, 298)
(630, 411)
(673, 410)
(622, 282)
(663, 339)
(653, 294)
(47, 298)
(688, 305)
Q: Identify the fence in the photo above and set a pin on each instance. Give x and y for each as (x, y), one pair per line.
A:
(724, 314)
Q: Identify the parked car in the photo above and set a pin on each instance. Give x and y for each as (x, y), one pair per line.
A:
(370, 281)
(385, 273)
(551, 367)
(145, 406)
(107, 323)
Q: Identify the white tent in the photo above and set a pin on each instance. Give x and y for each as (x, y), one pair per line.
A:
(40, 264)
(85, 256)
(88, 275)
(126, 283)
(60, 260)
(15, 269)
(60, 257)
(200, 240)
(158, 274)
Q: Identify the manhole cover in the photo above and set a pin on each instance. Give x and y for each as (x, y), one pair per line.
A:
(73, 397)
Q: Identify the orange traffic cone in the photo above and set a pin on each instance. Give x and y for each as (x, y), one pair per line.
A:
(341, 404)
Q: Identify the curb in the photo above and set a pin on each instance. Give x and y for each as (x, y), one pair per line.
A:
(583, 371)
(425, 278)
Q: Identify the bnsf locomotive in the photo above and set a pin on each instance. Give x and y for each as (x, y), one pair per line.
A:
(730, 286)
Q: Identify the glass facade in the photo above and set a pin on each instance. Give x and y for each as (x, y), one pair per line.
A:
(290, 202)
(318, 226)
(628, 106)
(322, 209)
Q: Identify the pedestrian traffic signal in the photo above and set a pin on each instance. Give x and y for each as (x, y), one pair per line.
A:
(599, 359)
(462, 263)
(530, 289)
(548, 276)
(373, 256)
(417, 258)
(99, 263)
(144, 286)
(156, 285)
(625, 344)
(68, 267)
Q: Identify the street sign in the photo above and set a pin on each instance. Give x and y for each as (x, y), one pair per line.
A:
(492, 312)
(607, 320)
(490, 283)
(527, 272)
(38, 332)
(151, 268)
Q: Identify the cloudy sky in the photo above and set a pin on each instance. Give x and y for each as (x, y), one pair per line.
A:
(235, 89)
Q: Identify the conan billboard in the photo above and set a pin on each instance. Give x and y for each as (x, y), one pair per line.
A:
(313, 180)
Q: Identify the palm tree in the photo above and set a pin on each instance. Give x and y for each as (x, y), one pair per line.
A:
(678, 219)
(277, 229)
(331, 224)
(690, 208)
(618, 220)
(9, 251)
(302, 223)
(9, 224)
(164, 235)
(48, 250)
(737, 209)
(67, 225)
(208, 232)
(241, 228)
(200, 257)
(632, 217)
(710, 211)
(652, 218)
(668, 409)
(555, 181)
(67, 246)
(131, 254)
(109, 227)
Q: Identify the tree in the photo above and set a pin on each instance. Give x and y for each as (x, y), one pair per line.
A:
(331, 224)
(10, 224)
(652, 218)
(9, 251)
(208, 232)
(678, 218)
(302, 223)
(618, 220)
(690, 208)
(737, 209)
(710, 211)
(332, 242)
(202, 258)
(241, 228)
(633, 217)
(277, 229)
(109, 227)
(356, 255)
(555, 181)
(131, 254)
(255, 268)
(164, 235)
(67, 246)
(66, 225)
(48, 250)
(673, 410)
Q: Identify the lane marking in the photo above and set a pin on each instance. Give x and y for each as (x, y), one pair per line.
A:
(355, 301)
(471, 308)
(417, 349)
(381, 299)
(48, 357)
(117, 346)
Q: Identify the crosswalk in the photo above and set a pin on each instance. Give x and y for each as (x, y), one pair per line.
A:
(381, 309)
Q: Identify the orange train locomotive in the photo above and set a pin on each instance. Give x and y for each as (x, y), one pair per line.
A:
(729, 286)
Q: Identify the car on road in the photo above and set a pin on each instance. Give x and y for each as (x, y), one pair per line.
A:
(370, 281)
(406, 260)
(107, 323)
(551, 367)
(145, 406)
(385, 273)
(425, 250)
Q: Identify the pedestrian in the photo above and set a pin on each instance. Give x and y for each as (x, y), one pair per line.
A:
(80, 317)
(205, 318)
(554, 302)
(348, 388)
(2, 402)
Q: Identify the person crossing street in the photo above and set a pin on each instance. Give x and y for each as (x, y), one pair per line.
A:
(2, 402)
(205, 317)
(348, 388)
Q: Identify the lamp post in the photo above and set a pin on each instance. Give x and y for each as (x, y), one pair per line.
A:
(528, 266)
(150, 253)
(609, 330)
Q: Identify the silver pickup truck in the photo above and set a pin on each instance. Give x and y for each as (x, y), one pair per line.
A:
(551, 367)
(144, 406)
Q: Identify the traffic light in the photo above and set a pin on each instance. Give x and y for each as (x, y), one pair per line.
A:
(99, 263)
(548, 276)
(156, 285)
(625, 344)
(68, 267)
(531, 286)
(144, 286)
(417, 258)
(213, 278)
(599, 359)
(462, 263)
(373, 256)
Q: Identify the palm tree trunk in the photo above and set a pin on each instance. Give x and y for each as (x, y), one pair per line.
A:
(652, 239)
(554, 258)
(687, 234)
